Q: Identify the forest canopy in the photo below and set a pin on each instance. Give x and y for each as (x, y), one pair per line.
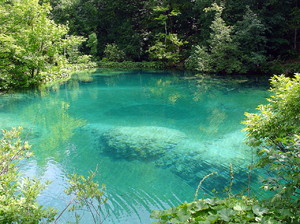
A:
(41, 40)
(228, 36)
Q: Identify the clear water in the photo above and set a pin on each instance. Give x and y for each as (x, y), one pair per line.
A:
(65, 125)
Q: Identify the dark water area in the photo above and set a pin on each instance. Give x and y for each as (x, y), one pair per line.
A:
(152, 135)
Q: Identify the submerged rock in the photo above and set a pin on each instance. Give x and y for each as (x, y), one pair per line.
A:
(146, 142)
(173, 150)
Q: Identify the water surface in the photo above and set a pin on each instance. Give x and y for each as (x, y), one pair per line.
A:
(152, 135)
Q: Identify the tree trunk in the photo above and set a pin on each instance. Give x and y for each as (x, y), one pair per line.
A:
(295, 38)
(32, 73)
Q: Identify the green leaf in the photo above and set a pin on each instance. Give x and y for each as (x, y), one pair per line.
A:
(201, 205)
(155, 214)
(258, 210)
(225, 214)
(240, 207)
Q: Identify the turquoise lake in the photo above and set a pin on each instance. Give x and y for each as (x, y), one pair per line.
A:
(152, 135)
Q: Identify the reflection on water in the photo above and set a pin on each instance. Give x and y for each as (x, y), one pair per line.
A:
(153, 135)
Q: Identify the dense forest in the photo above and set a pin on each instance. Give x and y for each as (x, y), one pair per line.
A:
(42, 40)
(242, 36)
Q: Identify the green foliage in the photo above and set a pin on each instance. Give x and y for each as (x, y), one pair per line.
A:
(275, 131)
(32, 46)
(113, 53)
(222, 53)
(86, 195)
(215, 210)
(166, 48)
(260, 31)
(92, 43)
(131, 65)
(167, 45)
(199, 59)
(231, 49)
(249, 33)
(18, 195)
(165, 13)
(282, 112)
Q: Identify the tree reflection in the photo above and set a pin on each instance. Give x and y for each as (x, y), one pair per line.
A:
(51, 118)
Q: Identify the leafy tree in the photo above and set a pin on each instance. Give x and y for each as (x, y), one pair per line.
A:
(114, 53)
(32, 45)
(277, 17)
(249, 33)
(199, 59)
(275, 132)
(126, 33)
(92, 43)
(222, 53)
(166, 48)
(167, 45)
(106, 19)
(239, 48)
(282, 112)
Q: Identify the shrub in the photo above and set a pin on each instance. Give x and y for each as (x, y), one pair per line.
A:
(18, 195)
(113, 53)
